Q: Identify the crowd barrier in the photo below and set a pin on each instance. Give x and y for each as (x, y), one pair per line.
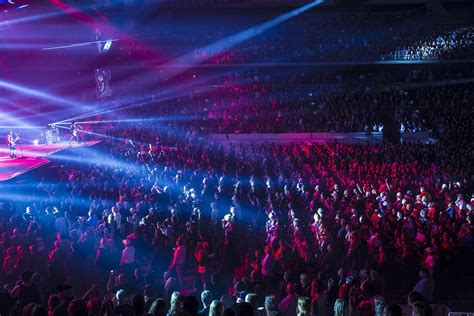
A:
(320, 138)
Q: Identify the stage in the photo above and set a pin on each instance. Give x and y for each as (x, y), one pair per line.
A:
(30, 157)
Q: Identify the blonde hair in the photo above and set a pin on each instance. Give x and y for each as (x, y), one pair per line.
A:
(216, 308)
(340, 308)
(304, 306)
(175, 303)
(379, 305)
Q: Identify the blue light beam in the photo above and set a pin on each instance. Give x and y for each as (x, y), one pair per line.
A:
(38, 94)
(224, 44)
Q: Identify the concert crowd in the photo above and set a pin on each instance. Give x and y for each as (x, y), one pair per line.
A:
(306, 229)
(321, 37)
(158, 220)
(248, 102)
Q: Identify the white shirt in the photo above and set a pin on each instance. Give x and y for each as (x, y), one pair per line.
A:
(117, 218)
(128, 255)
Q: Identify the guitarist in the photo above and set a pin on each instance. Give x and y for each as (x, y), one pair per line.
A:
(12, 138)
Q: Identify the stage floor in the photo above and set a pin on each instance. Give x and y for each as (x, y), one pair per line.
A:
(30, 157)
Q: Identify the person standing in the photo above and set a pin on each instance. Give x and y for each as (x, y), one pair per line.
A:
(26, 291)
(288, 306)
(75, 129)
(127, 263)
(179, 260)
(426, 285)
(12, 139)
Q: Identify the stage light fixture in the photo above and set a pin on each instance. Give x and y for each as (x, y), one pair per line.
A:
(107, 45)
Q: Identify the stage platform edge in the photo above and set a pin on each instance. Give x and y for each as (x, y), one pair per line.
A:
(31, 157)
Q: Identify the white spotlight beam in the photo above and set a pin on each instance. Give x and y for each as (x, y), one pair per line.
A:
(74, 45)
(233, 40)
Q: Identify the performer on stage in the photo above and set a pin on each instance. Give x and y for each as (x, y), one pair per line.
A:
(75, 129)
(12, 139)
